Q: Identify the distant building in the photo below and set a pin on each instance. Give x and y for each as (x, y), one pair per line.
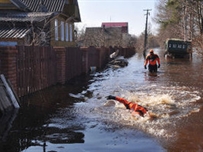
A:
(38, 22)
(109, 34)
(122, 25)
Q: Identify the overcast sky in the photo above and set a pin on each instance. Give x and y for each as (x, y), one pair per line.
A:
(94, 12)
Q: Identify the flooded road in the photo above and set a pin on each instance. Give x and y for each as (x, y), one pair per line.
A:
(77, 116)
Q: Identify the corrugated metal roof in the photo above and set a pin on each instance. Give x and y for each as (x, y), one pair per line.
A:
(24, 17)
(57, 6)
(34, 5)
(14, 33)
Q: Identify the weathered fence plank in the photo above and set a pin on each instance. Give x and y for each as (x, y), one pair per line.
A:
(73, 62)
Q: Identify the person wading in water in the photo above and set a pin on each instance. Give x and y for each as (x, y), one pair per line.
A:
(152, 59)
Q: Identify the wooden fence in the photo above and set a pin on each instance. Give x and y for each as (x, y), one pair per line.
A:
(32, 68)
(35, 68)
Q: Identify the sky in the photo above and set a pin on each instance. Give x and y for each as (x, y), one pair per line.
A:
(94, 12)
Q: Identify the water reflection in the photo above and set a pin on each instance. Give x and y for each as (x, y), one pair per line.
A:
(33, 127)
(6, 121)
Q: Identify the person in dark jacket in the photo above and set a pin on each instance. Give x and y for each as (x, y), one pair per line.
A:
(138, 109)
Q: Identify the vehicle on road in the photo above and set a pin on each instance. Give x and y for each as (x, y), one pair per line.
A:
(177, 48)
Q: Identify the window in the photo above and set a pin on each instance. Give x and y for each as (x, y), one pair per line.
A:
(62, 31)
(43, 36)
(179, 46)
(183, 46)
(71, 32)
(67, 32)
(56, 29)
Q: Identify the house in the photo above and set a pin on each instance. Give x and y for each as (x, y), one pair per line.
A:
(38, 22)
(99, 36)
(109, 34)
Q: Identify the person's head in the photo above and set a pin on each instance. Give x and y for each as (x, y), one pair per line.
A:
(151, 52)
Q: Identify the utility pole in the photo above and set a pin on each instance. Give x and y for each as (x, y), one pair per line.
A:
(185, 22)
(146, 36)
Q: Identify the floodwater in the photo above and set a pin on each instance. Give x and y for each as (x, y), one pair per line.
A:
(77, 117)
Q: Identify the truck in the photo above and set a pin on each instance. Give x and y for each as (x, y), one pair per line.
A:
(178, 48)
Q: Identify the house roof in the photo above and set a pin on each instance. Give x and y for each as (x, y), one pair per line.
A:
(24, 16)
(93, 29)
(60, 6)
(100, 36)
(115, 24)
(34, 5)
(14, 33)
(107, 31)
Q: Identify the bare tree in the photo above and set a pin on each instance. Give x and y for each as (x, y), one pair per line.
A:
(181, 19)
(168, 17)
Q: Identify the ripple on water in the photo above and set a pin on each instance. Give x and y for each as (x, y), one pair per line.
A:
(166, 107)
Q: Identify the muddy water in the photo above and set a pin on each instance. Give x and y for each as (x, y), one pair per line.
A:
(77, 116)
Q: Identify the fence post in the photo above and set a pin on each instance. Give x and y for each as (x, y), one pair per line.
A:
(85, 59)
(61, 64)
(8, 64)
